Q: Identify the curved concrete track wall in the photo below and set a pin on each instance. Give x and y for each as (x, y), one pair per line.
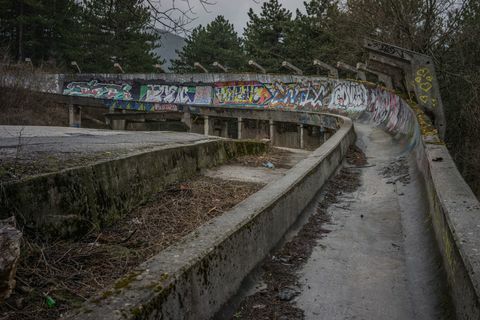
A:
(194, 278)
(454, 210)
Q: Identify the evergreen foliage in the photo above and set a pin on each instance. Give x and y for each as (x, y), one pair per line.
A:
(42, 30)
(56, 32)
(218, 41)
(265, 35)
(312, 35)
(117, 31)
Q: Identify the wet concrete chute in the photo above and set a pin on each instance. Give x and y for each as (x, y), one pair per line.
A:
(379, 260)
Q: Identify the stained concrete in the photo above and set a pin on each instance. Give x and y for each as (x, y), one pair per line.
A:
(52, 140)
(257, 174)
(380, 260)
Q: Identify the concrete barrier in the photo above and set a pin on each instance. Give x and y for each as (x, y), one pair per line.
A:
(195, 277)
(71, 201)
(455, 213)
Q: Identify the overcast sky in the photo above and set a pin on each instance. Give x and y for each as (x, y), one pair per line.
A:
(233, 10)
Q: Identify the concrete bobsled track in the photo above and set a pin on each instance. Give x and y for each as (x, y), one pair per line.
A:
(383, 267)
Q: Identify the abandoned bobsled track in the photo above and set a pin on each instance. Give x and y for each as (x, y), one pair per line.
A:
(400, 246)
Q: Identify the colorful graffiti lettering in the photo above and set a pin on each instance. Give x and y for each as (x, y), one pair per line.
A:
(298, 95)
(241, 93)
(163, 93)
(167, 93)
(129, 105)
(349, 96)
(97, 89)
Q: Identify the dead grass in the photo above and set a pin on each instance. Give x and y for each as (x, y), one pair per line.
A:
(71, 272)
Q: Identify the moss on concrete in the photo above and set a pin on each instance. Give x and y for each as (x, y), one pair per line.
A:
(71, 202)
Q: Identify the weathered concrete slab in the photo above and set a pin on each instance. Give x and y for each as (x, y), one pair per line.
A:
(62, 140)
(258, 174)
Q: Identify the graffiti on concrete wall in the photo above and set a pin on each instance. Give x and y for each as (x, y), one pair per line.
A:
(424, 84)
(96, 89)
(348, 96)
(203, 95)
(306, 95)
(165, 93)
(140, 106)
(165, 107)
(241, 93)
(387, 49)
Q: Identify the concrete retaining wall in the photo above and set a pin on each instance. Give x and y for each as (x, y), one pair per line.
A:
(455, 213)
(71, 201)
(195, 277)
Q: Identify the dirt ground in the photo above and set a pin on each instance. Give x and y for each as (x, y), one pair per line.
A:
(54, 277)
(278, 157)
(279, 269)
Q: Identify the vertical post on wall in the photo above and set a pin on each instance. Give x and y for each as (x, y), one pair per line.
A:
(240, 127)
(206, 126)
(225, 126)
(74, 116)
(302, 143)
(272, 132)
(186, 118)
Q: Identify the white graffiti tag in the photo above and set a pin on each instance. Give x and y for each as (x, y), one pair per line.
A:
(351, 97)
(168, 94)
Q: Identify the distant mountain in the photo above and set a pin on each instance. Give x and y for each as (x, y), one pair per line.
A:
(169, 42)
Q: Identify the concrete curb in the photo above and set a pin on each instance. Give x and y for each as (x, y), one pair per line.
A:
(455, 213)
(195, 277)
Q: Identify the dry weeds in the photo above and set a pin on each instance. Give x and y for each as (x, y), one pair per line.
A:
(72, 272)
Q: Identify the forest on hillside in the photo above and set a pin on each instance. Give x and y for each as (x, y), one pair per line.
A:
(97, 33)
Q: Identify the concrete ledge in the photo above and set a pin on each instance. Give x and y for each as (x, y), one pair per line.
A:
(71, 201)
(195, 277)
(455, 213)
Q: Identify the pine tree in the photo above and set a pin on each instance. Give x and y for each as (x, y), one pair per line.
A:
(42, 30)
(264, 36)
(312, 36)
(218, 41)
(117, 31)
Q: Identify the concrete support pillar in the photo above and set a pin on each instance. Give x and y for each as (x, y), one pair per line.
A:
(75, 116)
(302, 131)
(187, 119)
(386, 79)
(118, 124)
(206, 126)
(240, 128)
(272, 132)
(323, 133)
(225, 129)
(332, 72)
(360, 74)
